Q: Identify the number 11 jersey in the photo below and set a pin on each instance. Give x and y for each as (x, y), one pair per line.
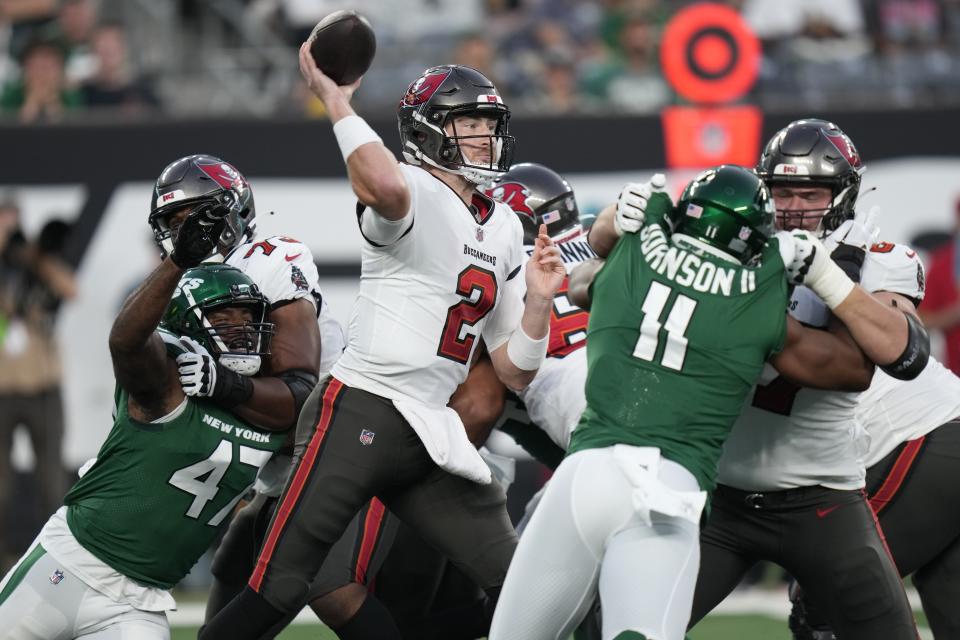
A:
(676, 340)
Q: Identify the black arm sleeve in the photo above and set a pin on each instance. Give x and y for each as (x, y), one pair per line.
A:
(914, 358)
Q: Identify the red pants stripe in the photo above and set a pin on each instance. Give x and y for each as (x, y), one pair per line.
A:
(371, 534)
(299, 481)
(898, 474)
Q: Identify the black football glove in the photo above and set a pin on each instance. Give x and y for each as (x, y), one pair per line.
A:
(199, 235)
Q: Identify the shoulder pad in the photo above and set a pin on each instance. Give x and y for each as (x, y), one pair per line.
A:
(282, 267)
(895, 268)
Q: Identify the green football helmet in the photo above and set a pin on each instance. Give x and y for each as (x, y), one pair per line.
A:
(729, 208)
(204, 289)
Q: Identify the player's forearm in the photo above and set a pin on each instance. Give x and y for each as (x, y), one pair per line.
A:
(271, 407)
(373, 171)
(512, 376)
(603, 236)
(338, 107)
(377, 181)
(535, 321)
(518, 360)
(578, 289)
(479, 401)
(143, 309)
(820, 359)
(881, 331)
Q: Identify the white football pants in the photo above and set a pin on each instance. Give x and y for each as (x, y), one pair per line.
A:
(40, 600)
(622, 519)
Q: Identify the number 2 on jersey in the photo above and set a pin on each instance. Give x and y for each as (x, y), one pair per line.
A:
(472, 281)
(676, 325)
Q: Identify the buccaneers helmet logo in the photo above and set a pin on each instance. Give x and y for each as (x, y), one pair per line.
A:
(515, 195)
(224, 175)
(425, 86)
(846, 149)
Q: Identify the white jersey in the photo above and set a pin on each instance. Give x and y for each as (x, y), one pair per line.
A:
(452, 276)
(284, 270)
(894, 411)
(788, 436)
(555, 399)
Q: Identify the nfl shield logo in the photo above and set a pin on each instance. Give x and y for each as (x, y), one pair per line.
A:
(479, 234)
(57, 577)
(366, 437)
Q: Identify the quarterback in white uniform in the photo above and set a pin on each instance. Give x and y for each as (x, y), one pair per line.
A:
(791, 477)
(438, 269)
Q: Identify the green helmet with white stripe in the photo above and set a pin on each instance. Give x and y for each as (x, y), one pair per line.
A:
(208, 288)
(729, 208)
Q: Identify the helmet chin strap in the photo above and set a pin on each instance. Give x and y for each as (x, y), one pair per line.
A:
(472, 175)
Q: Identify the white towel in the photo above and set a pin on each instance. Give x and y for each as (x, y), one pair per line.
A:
(445, 438)
(641, 466)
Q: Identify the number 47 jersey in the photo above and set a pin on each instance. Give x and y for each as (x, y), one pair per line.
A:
(156, 497)
(677, 337)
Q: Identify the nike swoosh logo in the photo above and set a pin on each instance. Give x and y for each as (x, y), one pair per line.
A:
(823, 513)
(293, 257)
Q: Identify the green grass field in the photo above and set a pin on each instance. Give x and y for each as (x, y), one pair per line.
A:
(716, 627)
(713, 628)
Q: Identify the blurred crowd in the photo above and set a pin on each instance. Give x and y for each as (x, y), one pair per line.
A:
(547, 56)
(66, 57)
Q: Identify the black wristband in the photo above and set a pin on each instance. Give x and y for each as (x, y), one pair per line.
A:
(231, 388)
(850, 259)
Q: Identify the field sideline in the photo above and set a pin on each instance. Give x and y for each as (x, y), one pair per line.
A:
(748, 614)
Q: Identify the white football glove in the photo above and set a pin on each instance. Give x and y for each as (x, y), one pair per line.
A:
(849, 243)
(860, 232)
(197, 368)
(812, 267)
(632, 203)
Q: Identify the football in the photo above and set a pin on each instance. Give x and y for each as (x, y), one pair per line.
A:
(343, 45)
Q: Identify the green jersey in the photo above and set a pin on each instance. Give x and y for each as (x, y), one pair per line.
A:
(677, 338)
(158, 493)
